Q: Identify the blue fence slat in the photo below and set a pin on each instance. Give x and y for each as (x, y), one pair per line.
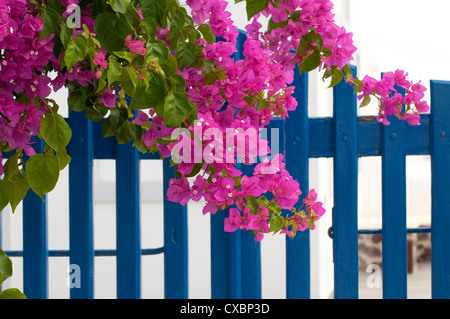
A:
(234, 253)
(35, 263)
(35, 253)
(128, 236)
(219, 257)
(81, 204)
(297, 163)
(251, 266)
(440, 189)
(226, 259)
(345, 167)
(393, 165)
(175, 242)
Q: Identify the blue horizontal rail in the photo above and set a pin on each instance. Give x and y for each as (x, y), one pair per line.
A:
(97, 252)
(321, 139)
(417, 230)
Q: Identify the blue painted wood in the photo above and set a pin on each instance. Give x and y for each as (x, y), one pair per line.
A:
(175, 242)
(297, 163)
(393, 165)
(97, 252)
(345, 165)
(251, 266)
(128, 233)
(246, 272)
(440, 189)
(321, 139)
(35, 253)
(81, 240)
(219, 257)
(235, 264)
(369, 137)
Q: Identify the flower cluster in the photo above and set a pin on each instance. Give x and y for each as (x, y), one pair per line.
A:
(256, 89)
(206, 103)
(22, 76)
(405, 106)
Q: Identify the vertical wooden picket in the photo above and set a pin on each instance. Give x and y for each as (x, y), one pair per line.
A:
(81, 239)
(175, 242)
(128, 222)
(345, 213)
(35, 253)
(393, 150)
(219, 257)
(440, 189)
(297, 163)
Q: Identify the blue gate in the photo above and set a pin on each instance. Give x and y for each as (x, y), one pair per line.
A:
(235, 257)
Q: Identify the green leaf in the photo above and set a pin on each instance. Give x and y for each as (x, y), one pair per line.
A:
(348, 72)
(19, 188)
(75, 51)
(10, 167)
(275, 25)
(365, 101)
(166, 140)
(119, 5)
(195, 170)
(177, 23)
(214, 75)
(304, 46)
(186, 54)
(5, 266)
(114, 71)
(156, 91)
(178, 82)
(275, 223)
(144, 98)
(66, 34)
(310, 62)
(275, 208)
(63, 158)
(50, 22)
(306, 43)
(12, 293)
(111, 30)
(5, 194)
(207, 33)
(253, 204)
(56, 132)
(336, 78)
(118, 117)
(158, 49)
(255, 6)
(77, 101)
(171, 66)
(125, 133)
(176, 108)
(148, 25)
(43, 173)
(128, 56)
(156, 9)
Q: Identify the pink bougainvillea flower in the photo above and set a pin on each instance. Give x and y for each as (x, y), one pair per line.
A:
(136, 46)
(99, 60)
(109, 99)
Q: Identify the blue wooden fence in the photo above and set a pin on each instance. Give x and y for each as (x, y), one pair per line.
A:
(235, 257)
